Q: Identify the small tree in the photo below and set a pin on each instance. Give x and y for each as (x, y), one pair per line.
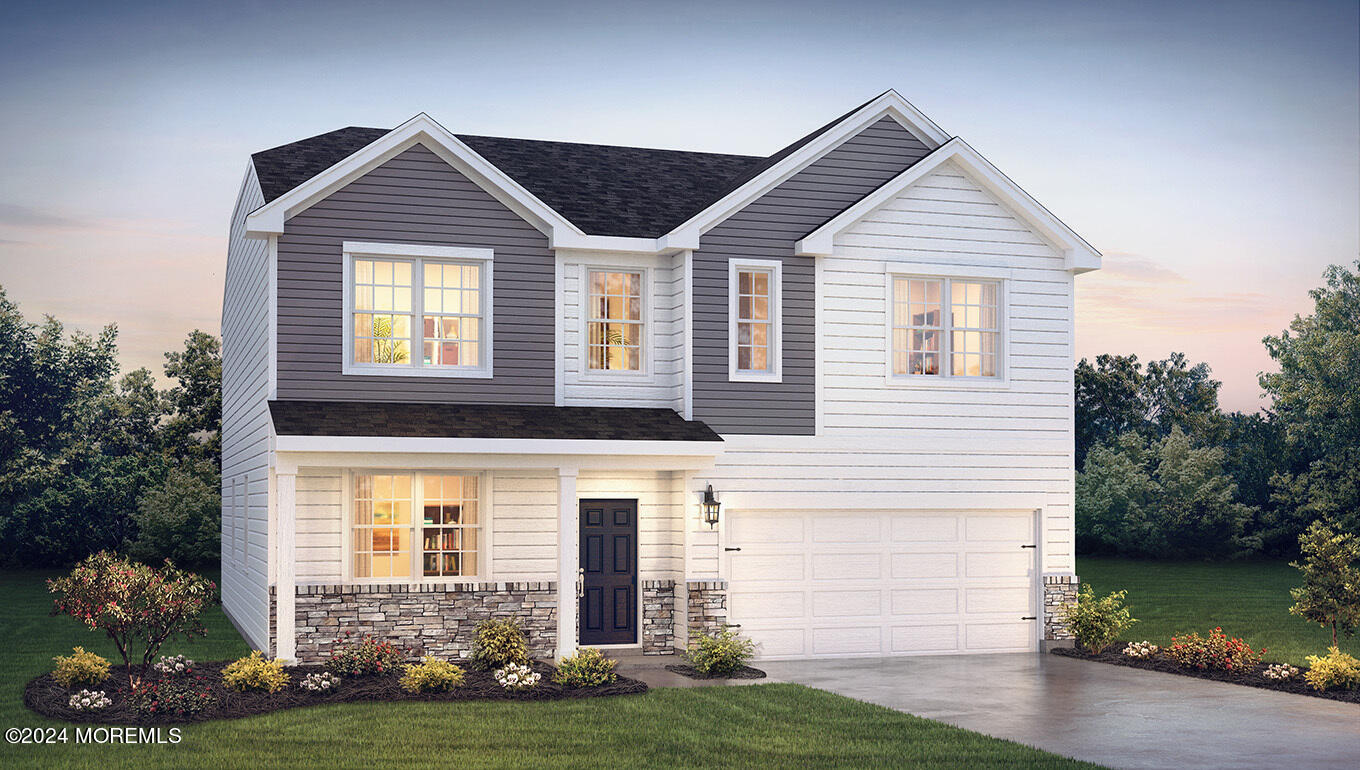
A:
(135, 605)
(1330, 594)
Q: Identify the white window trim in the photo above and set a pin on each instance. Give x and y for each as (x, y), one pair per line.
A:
(484, 258)
(1001, 381)
(645, 374)
(484, 529)
(776, 372)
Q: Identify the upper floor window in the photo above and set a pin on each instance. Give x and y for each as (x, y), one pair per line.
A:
(948, 327)
(614, 323)
(754, 333)
(417, 310)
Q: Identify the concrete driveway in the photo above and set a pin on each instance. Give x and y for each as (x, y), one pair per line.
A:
(1115, 716)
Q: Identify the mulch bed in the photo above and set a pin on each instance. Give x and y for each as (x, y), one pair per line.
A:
(745, 672)
(1114, 654)
(45, 696)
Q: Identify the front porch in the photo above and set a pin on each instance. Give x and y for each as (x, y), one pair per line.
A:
(364, 547)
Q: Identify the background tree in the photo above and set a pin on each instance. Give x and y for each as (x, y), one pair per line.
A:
(1330, 594)
(194, 428)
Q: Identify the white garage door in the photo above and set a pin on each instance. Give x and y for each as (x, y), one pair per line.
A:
(844, 584)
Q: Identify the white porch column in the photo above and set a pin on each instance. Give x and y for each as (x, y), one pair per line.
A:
(285, 590)
(568, 558)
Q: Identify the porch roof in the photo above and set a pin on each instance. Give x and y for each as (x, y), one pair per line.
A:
(484, 421)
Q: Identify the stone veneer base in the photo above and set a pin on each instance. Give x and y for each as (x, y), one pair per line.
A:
(706, 607)
(1059, 590)
(658, 617)
(426, 619)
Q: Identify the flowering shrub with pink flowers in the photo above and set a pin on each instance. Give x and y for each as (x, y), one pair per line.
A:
(366, 656)
(138, 607)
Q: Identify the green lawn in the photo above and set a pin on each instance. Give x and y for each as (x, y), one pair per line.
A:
(760, 726)
(1248, 599)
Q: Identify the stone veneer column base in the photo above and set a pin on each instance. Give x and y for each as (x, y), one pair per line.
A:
(425, 619)
(1059, 591)
(707, 608)
(658, 617)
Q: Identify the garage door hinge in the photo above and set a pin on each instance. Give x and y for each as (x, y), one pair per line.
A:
(1029, 546)
(1029, 617)
(731, 549)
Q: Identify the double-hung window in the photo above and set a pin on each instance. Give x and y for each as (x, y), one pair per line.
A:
(945, 327)
(414, 526)
(417, 310)
(615, 326)
(754, 333)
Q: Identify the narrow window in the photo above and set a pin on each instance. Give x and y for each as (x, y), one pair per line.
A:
(383, 314)
(449, 524)
(382, 526)
(754, 332)
(926, 340)
(452, 314)
(615, 323)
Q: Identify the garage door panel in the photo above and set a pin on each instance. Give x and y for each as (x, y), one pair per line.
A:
(936, 638)
(984, 600)
(765, 529)
(924, 529)
(982, 529)
(924, 565)
(783, 567)
(993, 637)
(862, 602)
(847, 529)
(847, 640)
(1008, 564)
(761, 605)
(924, 601)
(847, 566)
(779, 642)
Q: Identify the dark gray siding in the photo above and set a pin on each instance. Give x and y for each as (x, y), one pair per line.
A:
(414, 198)
(767, 229)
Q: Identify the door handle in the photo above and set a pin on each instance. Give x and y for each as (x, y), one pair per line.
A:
(580, 582)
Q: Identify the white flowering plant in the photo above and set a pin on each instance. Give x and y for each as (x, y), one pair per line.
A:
(516, 676)
(1143, 649)
(174, 665)
(85, 700)
(322, 682)
(1280, 672)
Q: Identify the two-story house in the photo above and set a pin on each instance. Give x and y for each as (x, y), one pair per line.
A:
(629, 395)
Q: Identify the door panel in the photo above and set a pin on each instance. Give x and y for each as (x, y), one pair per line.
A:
(609, 534)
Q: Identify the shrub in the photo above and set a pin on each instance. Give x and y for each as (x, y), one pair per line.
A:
(180, 519)
(86, 700)
(588, 667)
(1280, 672)
(1096, 623)
(255, 672)
(1330, 594)
(500, 643)
(1335, 671)
(431, 675)
(517, 677)
(722, 653)
(322, 682)
(1143, 649)
(1214, 651)
(181, 698)
(177, 665)
(136, 606)
(80, 667)
(368, 656)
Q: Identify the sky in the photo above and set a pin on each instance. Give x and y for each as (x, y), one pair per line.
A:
(1210, 151)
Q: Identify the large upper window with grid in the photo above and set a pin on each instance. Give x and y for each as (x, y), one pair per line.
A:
(948, 327)
(614, 324)
(414, 310)
(415, 526)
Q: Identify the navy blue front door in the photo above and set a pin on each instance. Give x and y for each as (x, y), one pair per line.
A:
(609, 563)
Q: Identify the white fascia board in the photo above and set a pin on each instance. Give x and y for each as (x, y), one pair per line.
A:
(1079, 255)
(890, 104)
(499, 446)
(421, 129)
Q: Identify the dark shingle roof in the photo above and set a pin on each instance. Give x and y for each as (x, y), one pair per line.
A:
(353, 418)
(602, 189)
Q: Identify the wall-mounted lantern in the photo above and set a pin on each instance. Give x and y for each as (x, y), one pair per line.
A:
(711, 506)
